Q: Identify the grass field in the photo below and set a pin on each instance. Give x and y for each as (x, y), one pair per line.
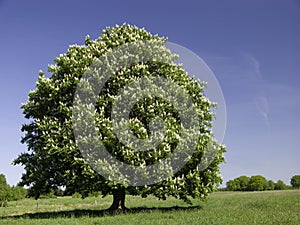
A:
(269, 207)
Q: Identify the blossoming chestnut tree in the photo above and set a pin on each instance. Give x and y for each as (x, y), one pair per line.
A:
(54, 158)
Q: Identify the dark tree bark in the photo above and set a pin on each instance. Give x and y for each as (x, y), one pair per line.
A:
(118, 200)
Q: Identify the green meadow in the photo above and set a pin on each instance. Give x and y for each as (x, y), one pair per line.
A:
(267, 207)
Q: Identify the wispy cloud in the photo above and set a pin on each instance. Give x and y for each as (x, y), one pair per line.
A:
(251, 90)
(260, 98)
(254, 65)
(262, 106)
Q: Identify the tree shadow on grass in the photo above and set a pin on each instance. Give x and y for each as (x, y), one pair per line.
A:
(96, 213)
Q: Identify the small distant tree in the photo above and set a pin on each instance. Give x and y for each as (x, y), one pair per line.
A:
(18, 193)
(238, 184)
(295, 181)
(5, 191)
(280, 185)
(231, 185)
(243, 182)
(270, 185)
(257, 183)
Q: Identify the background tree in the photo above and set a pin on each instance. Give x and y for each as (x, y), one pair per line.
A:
(280, 185)
(18, 193)
(295, 181)
(231, 185)
(53, 159)
(238, 184)
(257, 183)
(270, 185)
(5, 191)
(243, 182)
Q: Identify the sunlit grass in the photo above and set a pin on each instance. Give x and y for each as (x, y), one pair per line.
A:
(268, 207)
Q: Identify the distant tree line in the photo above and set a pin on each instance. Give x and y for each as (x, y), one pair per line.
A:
(260, 183)
(8, 193)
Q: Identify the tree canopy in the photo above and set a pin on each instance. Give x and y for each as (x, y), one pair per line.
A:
(280, 185)
(4, 190)
(54, 159)
(295, 181)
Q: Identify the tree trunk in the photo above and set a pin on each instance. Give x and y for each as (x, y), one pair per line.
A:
(118, 200)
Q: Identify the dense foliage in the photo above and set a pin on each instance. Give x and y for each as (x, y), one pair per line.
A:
(53, 159)
(254, 183)
(295, 181)
(8, 193)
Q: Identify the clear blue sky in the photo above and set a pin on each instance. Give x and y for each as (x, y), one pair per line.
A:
(252, 47)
